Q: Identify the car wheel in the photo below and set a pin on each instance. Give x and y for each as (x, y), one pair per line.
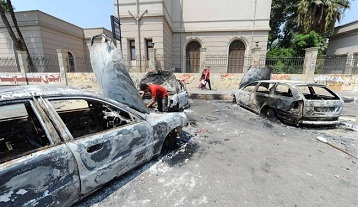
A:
(270, 114)
(170, 142)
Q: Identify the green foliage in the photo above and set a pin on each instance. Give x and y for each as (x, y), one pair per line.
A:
(312, 39)
(4, 5)
(281, 52)
(290, 18)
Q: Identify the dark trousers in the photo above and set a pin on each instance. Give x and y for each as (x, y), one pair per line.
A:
(162, 104)
(208, 81)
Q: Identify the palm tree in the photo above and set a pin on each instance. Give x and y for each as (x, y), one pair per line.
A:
(19, 41)
(319, 15)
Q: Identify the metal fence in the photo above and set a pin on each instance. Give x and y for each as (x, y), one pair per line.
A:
(337, 65)
(230, 64)
(134, 65)
(44, 64)
(284, 65)
(8, 64)
(79, 64)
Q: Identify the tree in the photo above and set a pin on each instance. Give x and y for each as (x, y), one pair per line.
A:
(319, 15)
(19, 41)
(290, 18)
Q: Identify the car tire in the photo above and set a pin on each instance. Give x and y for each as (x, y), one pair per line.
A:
(170, 142)
(270, 114)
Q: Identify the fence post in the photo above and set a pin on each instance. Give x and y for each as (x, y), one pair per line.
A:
(202, 59)
(349, 64)
(152, 59)
(256, 53)
(62, 54)
(309, 64)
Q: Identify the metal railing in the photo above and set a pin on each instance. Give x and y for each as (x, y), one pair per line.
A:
(44, 64)
(284, 65)
(80, 64)
(134, 65)
(8, 64)
(336, 65)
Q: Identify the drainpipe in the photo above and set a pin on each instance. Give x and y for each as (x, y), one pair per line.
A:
(137, 18)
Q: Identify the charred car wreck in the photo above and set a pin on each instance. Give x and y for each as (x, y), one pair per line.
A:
(59, 144)
(292, 102)
(178, 97)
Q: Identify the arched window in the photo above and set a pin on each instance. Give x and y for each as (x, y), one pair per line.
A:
(236, 57)
(193, 57)
(71, 63)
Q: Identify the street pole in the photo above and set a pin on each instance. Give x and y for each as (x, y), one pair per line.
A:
(120, 41)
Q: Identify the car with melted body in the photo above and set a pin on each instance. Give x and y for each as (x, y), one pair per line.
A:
(178, 97)
(292, 102)
(59, 144)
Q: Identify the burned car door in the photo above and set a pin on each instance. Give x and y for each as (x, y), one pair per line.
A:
(244, 95)
(287, 103)
(106, 140)
(183, 95)
(36, 169)
(261, 95)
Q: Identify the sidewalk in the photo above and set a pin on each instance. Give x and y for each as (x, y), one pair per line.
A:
(196, 93)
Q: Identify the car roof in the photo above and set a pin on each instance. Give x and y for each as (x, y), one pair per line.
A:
(27, 91)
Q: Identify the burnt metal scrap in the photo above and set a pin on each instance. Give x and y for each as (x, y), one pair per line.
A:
(59, 144)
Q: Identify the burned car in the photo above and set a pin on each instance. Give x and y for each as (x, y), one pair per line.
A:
(292, 102)
(178, 97)
(59, 144)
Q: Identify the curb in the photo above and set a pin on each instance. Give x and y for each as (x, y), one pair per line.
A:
(218, 96)
(210, 96)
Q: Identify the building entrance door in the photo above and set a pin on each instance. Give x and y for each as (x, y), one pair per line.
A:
(193, 57)
(236, 57)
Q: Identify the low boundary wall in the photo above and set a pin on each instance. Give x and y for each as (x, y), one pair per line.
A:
(219, 81)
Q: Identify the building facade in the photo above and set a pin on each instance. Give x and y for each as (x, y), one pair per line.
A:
(187, 35)
(46, 36)
(342, 50)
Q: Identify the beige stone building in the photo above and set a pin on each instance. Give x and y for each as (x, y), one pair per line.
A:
(342, 51)
(344, 40)
(190, 34)
(47, 36)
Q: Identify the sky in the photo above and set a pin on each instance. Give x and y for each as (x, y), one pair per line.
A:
(82, 13)
(96, 13)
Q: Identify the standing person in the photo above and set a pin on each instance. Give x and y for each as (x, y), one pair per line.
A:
(202, 81)
(159, 95)
(207, 76)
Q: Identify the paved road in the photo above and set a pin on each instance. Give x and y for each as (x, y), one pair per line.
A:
(232, 157)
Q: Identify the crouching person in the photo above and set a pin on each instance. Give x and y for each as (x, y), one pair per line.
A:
(159, 95)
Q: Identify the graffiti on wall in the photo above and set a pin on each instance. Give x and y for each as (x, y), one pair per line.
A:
(187, 78)
(337, 82)
(227, 76)
(15, 79)
(280, 77)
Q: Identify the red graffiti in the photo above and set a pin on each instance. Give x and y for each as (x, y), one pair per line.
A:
(280, 77)
(186, 78)
(227, 76)
(38, 79)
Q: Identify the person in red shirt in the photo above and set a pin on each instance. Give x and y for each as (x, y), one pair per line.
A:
(159, 95)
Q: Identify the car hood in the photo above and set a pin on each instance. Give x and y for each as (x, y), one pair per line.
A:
(255, 74)
(112, 76)
(161, 77)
